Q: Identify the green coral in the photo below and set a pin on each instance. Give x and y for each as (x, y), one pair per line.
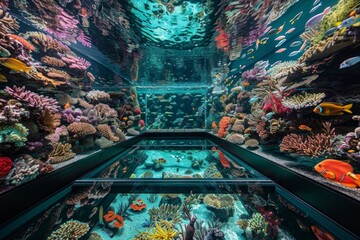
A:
(339, 13)
(256, 221)
(14, 133)
(166, 212)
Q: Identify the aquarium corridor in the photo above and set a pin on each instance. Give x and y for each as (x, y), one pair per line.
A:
(159, 182)
(179, 119)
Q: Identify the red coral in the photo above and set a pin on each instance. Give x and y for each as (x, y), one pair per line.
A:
(274, 104)
(223, 160)
(5, 166)
(138, 205)
(114, 220)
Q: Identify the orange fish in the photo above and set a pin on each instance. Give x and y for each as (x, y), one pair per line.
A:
(321, 235)
(280, 29)
(213, 125)
(332, 109)
(124, 170)
(245, 84)
(304, 127)
(213, 149)
(67, 105)
(338, 171)
(83, 12)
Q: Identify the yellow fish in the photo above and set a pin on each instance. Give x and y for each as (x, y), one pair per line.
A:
(250, 51)
(101, 215)
(332, 109)
(3, 78)
(15, 65)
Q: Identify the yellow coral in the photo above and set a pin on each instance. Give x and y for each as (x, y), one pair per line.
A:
(162, 231)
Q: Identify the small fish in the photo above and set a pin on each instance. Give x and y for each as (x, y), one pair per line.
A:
(338, 171)
(332, 109)
(290, 30)
(280, 28)
(243, 67)
(269, 115)
(250, 51)
(101, 215)
(3, 78)
(124, 170)
(330, 32)
(15, 65)
(321, 235)
(303, 46)
(316, 2)
(294, 53)
(351, 21)
(67, 105)
(257, 44)
(355, 12)
(271, 32)
(312, 22)
(349, 62)
(267, 29)
(245, 84)
(280, 38)
(253, 99)
(250, 58)
(280, 43)
(275, 63)
(281, 50)
(295, 44)
(351, 151)
(243, 56)
(264, 40)
(297, 17)
(315, 8)
(304, 127)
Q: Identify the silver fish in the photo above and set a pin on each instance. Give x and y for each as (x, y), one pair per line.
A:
(293, 53)
(315, 8)
(330, 32)
(316, 2)
(280, 43)
(349, 62)
(295, 44)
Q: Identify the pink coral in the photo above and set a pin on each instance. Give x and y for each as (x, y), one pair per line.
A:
(12, 111)
(76, 63)
(33, 99)
(83, 39)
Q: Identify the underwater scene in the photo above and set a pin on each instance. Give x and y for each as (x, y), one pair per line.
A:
(277, 77)
(98, 212)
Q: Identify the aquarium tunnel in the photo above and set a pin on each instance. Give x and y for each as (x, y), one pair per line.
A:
(179, 119)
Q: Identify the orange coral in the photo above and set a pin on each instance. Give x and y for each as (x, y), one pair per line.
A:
(113, 219)
(213, 125)
(138, 205)
(81, 129)
(106, 131)
(223, 125)
(24, 42)
(223, 160)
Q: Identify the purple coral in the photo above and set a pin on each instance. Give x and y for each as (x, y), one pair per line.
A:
(33, 99)
(83, 39)
(74, 115)
(257, 73)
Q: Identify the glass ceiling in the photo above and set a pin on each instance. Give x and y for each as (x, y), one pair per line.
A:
(175, 23)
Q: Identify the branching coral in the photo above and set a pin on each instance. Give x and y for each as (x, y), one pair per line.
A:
(315, 145)
(75, 62)
(33, 99)
(46, 42)
(23, 171)
(162, 231)
(61, 153)
(80, 129)
(71, 230)
(303, 100)
(165, 212)
(12, 112)
(7, 22)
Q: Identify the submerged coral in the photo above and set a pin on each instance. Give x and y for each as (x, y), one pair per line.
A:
(70, 230)
(303, 100)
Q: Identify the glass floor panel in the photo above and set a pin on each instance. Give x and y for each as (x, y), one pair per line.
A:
(177, 158)
(98, 210)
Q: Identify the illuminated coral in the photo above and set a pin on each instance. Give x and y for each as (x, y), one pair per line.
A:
(52, 61)
(71, 230)
(46, 42)
(80, 129)
(24, 170)
(106, 131)
(222, 205)
(303, 100)
(60, 153)
(32, 99)
(162, 231)
(12, 112)
(96, 95)
(14, 133)
(314, 145)
(165, 212)
(5, 166)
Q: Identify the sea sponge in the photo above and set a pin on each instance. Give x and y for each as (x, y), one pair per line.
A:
(106, 131)
(236, 138)
(222, 205)
(81, 129)
(71, 230)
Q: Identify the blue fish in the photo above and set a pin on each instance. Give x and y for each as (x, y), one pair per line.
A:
(253, 99)
(349, 62)
(280, 43)
(315, 8)
(293, 53)
(269, 115)
(330, 32)
(296, 44)
(349, 22)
